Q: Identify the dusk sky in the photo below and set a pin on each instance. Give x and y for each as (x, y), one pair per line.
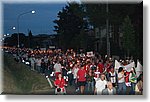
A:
(39, 23)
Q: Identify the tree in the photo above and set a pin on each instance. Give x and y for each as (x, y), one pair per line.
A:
(69, 25)
(30, 39)
(96, 12)
(13, 40)
(128, 36)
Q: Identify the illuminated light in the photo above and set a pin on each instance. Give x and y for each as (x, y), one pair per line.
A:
(64, 77)
(52, 74)
(23, 61)
(71, 65)
(69, 72)
(14, 28)
(27, 63)
(33, 12)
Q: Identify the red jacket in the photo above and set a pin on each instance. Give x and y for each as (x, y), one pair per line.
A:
(60, 83)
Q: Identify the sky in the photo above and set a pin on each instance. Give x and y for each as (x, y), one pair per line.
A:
(39, 23)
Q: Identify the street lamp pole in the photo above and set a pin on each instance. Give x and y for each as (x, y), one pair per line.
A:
(107, 31)
(18, 22)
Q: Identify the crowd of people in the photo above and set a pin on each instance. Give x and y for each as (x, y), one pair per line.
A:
(88, 74)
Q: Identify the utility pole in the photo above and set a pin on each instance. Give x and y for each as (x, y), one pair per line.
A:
(107, 31)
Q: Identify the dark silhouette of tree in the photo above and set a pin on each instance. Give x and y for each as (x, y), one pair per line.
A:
(96, 12)
(30, 39)
(128, 37)
(13, 40)
(69, 26)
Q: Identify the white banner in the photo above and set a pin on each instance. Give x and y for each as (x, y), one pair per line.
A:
(90, 54)
(129, 66)
(117, 65)
(139, 69)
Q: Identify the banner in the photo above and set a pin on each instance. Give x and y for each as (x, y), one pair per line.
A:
(129, 66)
(117, 65)
(139, 69)
(90, 54)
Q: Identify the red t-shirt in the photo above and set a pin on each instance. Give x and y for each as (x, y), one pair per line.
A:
(60, 83)
(100, 67)
(81, 75)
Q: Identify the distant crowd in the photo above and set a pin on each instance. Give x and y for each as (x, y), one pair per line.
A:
(88, 73)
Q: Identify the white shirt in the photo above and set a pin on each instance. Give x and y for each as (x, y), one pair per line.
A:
(38, 62)
(57, 67)
(122, 79)
(110, 92)
(32, 60)
(75, 71)
(100, 85)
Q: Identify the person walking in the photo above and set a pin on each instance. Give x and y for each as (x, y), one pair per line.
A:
(121, 82)
(57, 69)
(74, 72)
(90, 81)
(81, 75)
(133, 80)
(100, 84)
(112, 77)
(110, 90)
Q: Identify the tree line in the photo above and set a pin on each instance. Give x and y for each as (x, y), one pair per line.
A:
(75, 21)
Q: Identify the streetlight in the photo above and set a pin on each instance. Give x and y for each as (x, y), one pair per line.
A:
(12, 28)
(18, 21)
(5, 35)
